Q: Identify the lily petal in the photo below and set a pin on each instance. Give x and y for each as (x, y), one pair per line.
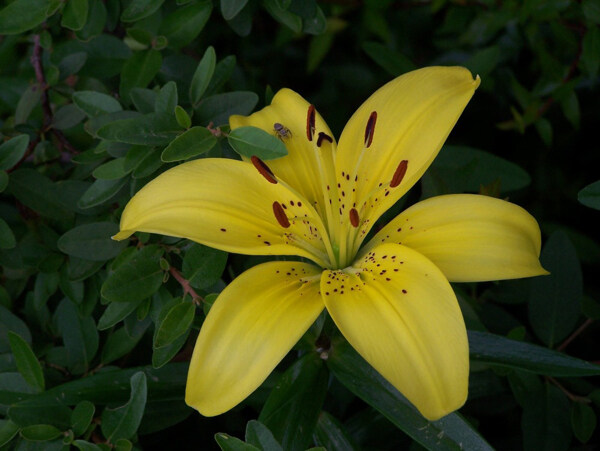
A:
(399, 312)
(306, 166)
(470, 237)
(252, 325)
(228, 205)
(407, 120)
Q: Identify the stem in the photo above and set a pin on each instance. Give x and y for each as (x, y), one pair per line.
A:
(571, 396)
(187, 288)
(575, 334)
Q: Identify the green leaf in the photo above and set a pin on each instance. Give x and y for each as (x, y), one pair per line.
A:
(257, 434)
(112, 170)
(449, 433)
(124, 421)
(460, 168)
(22, 15)
(40, 432)
(591, 10)
(202, 75)
(555, 299)
(283, 16)
(252, 141)
(139, 70)
(176, 322)
(95, 103)
(7, 237)
(27, 363)
(96, 21)
(297, 399)
(583, 421)
(331, 434)
(544, 129)
(228, 443)
(40, 409)
(219, 107)
(75, 14)
(590, 195)
(45, 286)
(118, 344)
(393, 62)
(100, 192)
(82, 417)
(161, 356)
(183, 119)
(79, 334)
(155, 129)
(116, 312)
(497, 350)
(39, 193)
(191, 143)
(138, 278)
(12, 151)
(590, 51)
(28, 101)
(222, 74)
(203, 265)
(82, 445)
(8, 430)
(92, 241)
(184, 24)
(231, 8)
(11, 322)
(67, 117)
(166, 100)
(3, 180)
(140, 9)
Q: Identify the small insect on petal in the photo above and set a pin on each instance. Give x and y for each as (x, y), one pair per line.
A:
(280, 215)
(310, 123)
(370, 129)
(323, 136)
(354, 219)
(399, 174)
(264, 170)
(282, 131)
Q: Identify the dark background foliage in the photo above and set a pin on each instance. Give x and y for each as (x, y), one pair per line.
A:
(95, 334)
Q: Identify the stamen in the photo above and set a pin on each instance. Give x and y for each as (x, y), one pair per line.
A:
(310, 122)
(399, 174)
(370, 129)
(280, 215)
(264, 170)
(323, 136)
(354, 219)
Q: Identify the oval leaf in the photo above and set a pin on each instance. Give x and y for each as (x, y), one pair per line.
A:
(92, 241)
(193, 142)
(252, 141)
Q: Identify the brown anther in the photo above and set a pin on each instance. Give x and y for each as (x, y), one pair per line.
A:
(399, 174)
(354, 219)
(370, 129)
(310, 122)
(264, 170)
(280, 215)
(323, 136)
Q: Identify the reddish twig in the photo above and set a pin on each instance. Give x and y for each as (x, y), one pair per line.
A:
(36, 62)
(575, 334)
(568, 394)
(185, 284)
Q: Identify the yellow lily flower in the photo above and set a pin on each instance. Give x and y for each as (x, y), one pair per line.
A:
(390, 298)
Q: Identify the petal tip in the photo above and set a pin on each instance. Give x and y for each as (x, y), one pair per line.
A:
(477, 81)
(122, 235)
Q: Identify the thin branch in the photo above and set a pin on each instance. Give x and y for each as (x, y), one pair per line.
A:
(185, 284)
(36, 62)
(575, 334)
(571, 396)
